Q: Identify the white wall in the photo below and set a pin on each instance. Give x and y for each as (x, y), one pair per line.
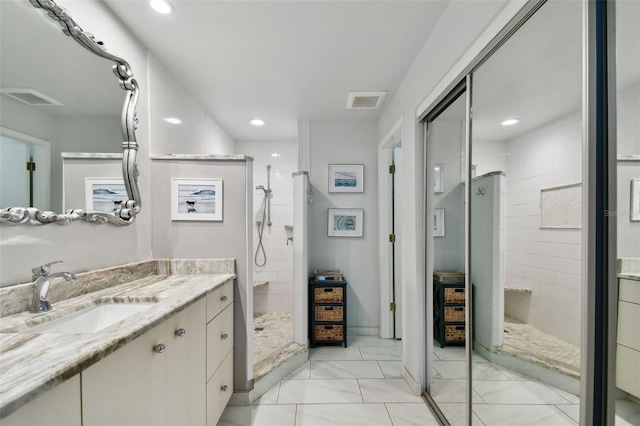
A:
(347, 142)
(463, 29)
(628, 144)
(199, 133)
(203, 240)
(277, 296)
(24, 247)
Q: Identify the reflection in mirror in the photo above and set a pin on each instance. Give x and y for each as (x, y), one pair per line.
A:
(526, 236)
(627, 404)
(446, 365)
(59, 95)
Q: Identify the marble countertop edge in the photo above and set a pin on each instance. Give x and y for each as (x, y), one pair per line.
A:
(31, 364)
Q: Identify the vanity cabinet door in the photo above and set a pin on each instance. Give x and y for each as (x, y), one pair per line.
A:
(186, 366)
(128, 387)
(61, 405)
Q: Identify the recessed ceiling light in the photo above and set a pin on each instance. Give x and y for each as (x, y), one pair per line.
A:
(173, 120)
(257, 122)
(161, 6)
(510, 122)
(275, 155)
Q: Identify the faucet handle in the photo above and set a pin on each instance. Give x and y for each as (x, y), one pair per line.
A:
(44, 269)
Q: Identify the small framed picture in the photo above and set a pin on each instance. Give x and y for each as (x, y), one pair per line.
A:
(438, 178)
(104, 194)
(345, 222)
(196, 199)
(346, 178)
(438, 222)
(635, 200)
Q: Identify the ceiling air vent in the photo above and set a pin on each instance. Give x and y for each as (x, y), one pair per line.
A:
(365, 100)
(30, 96)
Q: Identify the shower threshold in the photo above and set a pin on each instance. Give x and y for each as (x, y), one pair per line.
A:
(527, 343)
(273, 342)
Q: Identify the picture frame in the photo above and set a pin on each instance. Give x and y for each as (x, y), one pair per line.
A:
(438, 223)
(197, 199)
(346, 177)
(635, 200)
(345, 222)
(438, 179)
(104, 194)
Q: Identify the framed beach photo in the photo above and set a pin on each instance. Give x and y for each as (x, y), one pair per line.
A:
(346, 178)
(345, 222)
(104, 194)
(635, 200)
(438, 222)
(196, 199)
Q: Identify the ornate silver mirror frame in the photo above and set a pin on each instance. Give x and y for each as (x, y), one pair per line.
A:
(126, 214)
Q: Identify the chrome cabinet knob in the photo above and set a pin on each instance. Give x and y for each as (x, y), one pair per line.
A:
(224, 298)
(224, 336)
(181, 332)
(224, 388)
(159, 348)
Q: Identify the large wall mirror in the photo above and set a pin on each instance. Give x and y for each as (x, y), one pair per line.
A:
(60, 99)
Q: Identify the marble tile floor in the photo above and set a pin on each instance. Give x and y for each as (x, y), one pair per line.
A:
(272, 341)
(357, 385)
(500, 396)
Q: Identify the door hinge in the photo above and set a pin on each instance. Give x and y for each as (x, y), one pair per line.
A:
(392, 238)
(31, 166)
(392, 169)
(392, 307)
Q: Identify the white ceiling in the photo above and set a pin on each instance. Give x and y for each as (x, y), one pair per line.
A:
(283, 61)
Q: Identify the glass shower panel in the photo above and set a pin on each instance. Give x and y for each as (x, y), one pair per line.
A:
(526, 231)
(446, 365)
(627, 404)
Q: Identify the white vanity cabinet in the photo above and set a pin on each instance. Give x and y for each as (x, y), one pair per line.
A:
(143, 383)
(628, 348)
(156, 379)
(58, 407)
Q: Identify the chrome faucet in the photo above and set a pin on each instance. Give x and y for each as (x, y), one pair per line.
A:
(40, 286)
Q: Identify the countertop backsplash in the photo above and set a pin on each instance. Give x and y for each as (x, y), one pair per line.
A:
(17, 298)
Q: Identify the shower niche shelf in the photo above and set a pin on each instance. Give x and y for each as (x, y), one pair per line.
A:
(327, 312)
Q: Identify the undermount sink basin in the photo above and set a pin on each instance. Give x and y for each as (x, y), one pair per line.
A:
(92, 319)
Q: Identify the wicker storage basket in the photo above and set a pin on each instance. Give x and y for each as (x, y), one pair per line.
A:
(454, 313)
(328, 294)
(450, 277)
(454, 295)
(328, 313)
(330, 332)
(454, 333)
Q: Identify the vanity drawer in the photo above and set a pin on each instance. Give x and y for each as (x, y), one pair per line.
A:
(219, 390)
(629, 291)
(219, 299)
(219, 339)
(628, 321)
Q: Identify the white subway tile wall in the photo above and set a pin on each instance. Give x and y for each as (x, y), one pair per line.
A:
(277, 296)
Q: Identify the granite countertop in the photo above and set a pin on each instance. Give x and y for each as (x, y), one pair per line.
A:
(31, 364)
(630, 276)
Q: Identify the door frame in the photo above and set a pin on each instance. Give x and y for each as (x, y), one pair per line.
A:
(385, 156)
